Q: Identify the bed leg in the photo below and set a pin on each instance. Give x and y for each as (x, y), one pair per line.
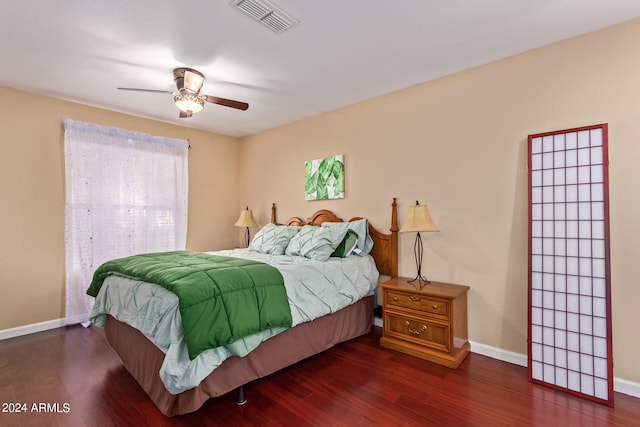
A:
(240, 400)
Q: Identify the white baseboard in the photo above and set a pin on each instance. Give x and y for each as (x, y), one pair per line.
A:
(626, 387)
(30, 329)
(619, 385)
(500, 354)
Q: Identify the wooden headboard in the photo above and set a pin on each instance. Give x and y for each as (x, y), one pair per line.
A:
(385, 245)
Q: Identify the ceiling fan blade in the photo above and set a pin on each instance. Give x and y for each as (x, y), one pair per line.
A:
(185, 114)
(135, 89)
(226, 102)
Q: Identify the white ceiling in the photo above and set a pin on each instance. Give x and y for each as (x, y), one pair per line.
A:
(340, 53)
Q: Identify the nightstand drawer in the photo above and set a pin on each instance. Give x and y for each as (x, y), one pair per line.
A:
(433, 306)
(416, 330)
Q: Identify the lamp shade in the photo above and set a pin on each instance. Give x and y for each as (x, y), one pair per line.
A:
(419, 220)
(246, 219)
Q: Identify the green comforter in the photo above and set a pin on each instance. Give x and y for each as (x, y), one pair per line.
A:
(221, 299)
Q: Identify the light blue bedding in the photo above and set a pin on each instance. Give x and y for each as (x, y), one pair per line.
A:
(314, 289)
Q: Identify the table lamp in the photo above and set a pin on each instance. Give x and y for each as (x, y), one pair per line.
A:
(246, 220)
(419, 220)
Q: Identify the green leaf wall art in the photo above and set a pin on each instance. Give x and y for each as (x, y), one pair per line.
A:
(324, 178)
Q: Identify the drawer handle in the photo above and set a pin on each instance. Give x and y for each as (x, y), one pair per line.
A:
(414, 298)
(415, 331)
(434, 306)
(395, 299)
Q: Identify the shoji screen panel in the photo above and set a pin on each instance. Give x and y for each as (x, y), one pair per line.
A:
(569, 274)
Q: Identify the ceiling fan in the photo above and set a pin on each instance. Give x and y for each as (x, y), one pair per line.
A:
(187, 98)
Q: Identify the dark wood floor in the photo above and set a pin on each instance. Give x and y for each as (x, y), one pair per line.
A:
(81, 382)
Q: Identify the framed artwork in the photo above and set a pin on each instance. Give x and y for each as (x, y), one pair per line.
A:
(324, 178)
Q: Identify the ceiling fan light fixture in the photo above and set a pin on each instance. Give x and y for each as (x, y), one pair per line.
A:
(188, 80)
(188, 103)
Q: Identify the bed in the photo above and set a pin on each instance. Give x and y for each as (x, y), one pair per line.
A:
(144, 359)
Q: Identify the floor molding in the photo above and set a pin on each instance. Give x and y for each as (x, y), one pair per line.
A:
(30, 329)
(626, 387)
(619, 385)
(500, 354)
(377, 321)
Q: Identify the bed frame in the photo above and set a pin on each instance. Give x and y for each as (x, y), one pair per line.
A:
(143, 359)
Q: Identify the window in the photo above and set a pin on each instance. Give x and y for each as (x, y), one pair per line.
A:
(126, 193)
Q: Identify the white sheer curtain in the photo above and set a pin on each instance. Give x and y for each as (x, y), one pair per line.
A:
(126, 193)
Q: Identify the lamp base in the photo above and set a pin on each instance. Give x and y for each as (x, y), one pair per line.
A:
(417, 252)
(422, 281)
(247, 236)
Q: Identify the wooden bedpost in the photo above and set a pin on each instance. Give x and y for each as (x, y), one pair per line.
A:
(273, 213)
(394, 216)
(394, 237)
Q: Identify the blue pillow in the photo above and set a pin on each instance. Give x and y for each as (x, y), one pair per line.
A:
(315, 242)
(273, 239)
(365, 243)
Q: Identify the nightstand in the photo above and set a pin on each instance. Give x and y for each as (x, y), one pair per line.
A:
(429, 323)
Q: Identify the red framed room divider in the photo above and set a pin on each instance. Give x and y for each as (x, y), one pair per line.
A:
(570, 343)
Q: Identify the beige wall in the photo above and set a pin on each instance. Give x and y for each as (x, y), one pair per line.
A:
(459, 145)
(32, 197)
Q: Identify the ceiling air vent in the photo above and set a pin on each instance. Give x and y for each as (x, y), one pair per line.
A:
(266, 13)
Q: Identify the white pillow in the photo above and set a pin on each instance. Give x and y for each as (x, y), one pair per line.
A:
(315, 242)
